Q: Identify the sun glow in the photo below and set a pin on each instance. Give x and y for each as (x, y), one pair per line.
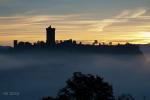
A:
(145, 34)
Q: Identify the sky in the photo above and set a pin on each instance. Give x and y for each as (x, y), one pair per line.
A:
(83, 20)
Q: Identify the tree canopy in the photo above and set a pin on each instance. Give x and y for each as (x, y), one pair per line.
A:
(85, 87)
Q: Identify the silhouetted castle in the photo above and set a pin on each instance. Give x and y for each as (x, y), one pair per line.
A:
(73, 46)
(50, 36)
(50, 41)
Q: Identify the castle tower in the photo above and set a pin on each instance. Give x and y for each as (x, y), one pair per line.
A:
(15, 43)
(50, 36)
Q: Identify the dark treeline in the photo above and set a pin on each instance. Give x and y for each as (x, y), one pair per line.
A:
(106, 49)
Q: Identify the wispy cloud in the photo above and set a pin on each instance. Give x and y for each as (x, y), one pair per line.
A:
(124, 17)
(76, 20)
(128, 21)
(131, 13)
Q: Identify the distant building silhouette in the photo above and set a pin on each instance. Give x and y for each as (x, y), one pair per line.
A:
(50, 36)
(72, 45)
(15, 43)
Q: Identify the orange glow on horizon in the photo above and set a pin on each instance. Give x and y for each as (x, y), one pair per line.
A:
(118, 29)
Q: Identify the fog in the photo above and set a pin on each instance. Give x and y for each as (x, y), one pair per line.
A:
(34, 75)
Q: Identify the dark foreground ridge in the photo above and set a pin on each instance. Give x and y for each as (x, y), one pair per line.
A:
(72, 46)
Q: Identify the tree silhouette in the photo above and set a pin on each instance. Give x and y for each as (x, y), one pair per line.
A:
(95, 42)
(48, 98)
(125, 97)
(86, 87)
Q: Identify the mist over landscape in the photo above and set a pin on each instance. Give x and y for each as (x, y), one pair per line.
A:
(44, 43)
(37, 74)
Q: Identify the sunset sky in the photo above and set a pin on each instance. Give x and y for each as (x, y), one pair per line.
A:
(104, 20)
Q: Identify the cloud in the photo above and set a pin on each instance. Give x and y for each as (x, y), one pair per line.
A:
(138, 13)
(72, 25)
(62, 22)
(131, 13)
(123, 17)
(74, 20)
